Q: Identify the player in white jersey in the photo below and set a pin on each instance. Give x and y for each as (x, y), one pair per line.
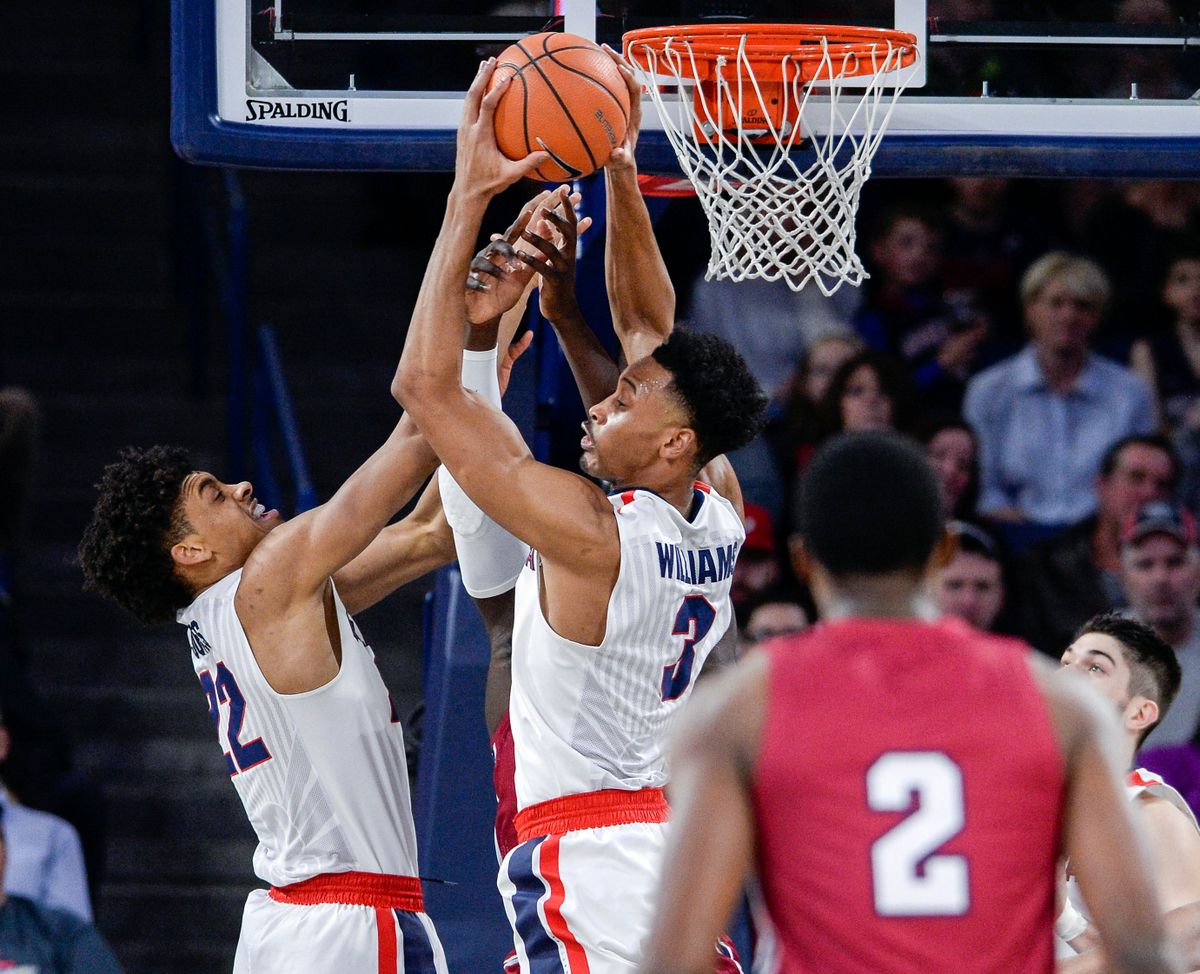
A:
(311, 739)
(578, 887)
(1135, 669)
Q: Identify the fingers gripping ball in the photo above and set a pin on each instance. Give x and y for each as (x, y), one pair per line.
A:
(566, 97)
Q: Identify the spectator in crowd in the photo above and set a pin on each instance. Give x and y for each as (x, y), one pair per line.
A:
(954, 453)
(769, 323)
(796, 432)
(45, 860)
(776, 611)
(1160, 570)
(871, 391)
(908, 314)
(1046, 416)
(1169, 358)
(971, 585)
(1077, 574)
(37, 939)
(991, 237)
(19, 421)
(758, 567)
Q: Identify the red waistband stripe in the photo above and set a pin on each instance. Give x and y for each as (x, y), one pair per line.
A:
(355, 889)
(592, 810)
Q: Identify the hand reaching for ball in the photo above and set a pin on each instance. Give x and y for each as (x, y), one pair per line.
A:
(623, 156)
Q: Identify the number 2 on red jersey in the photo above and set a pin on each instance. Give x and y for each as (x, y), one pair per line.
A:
(908, 878)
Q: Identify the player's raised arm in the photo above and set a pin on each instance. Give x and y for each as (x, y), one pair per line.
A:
(1100, 837)
(559, 513)
(639, 289)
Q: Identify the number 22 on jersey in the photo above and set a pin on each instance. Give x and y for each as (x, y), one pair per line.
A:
(908, 878)
(224, 692)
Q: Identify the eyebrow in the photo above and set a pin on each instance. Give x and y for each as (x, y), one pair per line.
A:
(208, 481)
(1100, 652)
(631, 383)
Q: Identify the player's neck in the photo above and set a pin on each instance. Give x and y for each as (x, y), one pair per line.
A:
(874, 597)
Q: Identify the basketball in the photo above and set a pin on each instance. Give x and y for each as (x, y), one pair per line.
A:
(566, 97)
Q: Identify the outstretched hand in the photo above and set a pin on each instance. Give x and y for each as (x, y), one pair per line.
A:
(509, 359)
(623, 155)
(480, 167)
(554, 234)
(497, 279)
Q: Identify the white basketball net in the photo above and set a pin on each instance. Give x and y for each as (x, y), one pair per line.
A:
(784, 209)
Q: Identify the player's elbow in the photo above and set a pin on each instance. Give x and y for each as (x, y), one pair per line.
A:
(410, 386)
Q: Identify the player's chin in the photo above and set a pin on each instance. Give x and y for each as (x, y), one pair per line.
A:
(590, 465)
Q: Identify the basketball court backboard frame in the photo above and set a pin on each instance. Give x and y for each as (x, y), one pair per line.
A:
(217, 119)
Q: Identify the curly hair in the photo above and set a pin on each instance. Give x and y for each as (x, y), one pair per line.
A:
(125, 552)
(723, 400)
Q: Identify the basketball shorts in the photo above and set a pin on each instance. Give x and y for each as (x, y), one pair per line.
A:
(581, 901)
(335, 938)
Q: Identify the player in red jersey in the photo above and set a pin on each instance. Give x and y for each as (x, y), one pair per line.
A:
(903, 786)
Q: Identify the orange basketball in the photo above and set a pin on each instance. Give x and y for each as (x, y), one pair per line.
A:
(567, 97)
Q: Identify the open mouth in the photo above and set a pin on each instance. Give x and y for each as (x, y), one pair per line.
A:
(259, 513)
(586, 443)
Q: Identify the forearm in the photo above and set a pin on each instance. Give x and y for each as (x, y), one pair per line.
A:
(429, 368)
(594, 370)
(639, 288)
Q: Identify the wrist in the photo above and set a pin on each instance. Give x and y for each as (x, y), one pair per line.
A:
(466, 195)
(482, 336)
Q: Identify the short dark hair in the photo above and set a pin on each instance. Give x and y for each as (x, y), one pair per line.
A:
(723, 400)
(869, 504)
(893, 379)
(125, 551)
(885, 220)
(1156, 441)
(975, 539)
(1155, 671)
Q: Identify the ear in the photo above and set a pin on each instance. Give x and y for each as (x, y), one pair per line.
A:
(943, 553)
(680, 444)
(191, 551)
(802, 563)
(1140, 713)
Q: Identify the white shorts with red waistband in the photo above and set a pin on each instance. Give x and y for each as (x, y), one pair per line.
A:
(342, 923)
(580, 888)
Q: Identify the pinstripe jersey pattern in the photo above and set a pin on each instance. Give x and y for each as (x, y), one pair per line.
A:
(586, 718)
(322, 775)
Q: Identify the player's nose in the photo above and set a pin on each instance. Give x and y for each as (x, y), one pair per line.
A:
(243, 490)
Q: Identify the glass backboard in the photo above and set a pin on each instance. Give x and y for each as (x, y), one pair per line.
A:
(1013, 87)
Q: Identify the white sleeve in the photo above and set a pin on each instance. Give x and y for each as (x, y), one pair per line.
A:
(489, 558)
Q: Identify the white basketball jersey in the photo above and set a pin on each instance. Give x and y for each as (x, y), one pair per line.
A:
(322, 774)
(586, 718)
(1136, 782)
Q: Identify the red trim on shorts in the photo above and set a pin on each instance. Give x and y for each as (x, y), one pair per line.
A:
(577, 962)
(355, 889)
(385, 924)
(592, 810)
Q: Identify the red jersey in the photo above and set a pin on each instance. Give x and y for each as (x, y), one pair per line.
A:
(504, 780)
(907, 792)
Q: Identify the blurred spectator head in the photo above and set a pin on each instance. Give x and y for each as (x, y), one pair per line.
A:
(776, 611)
(821, 361)
(906, 246)
(1064, 297)
(870, 391)
(1160, 566)
(757, 567)
(1134, 471)
(954, 452)
(980, 197)
(847, 504)
(1129, 664)
(1180, 291)
(971, 585)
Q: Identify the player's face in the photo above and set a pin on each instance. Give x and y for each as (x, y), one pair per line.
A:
(970, 588)
(1142, 473)
(227, 518)
(865, 406)
(952, 453)
(1161, 576)
(1101, 660)
(625, 433)
(1061, 320)
(1181, 292)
